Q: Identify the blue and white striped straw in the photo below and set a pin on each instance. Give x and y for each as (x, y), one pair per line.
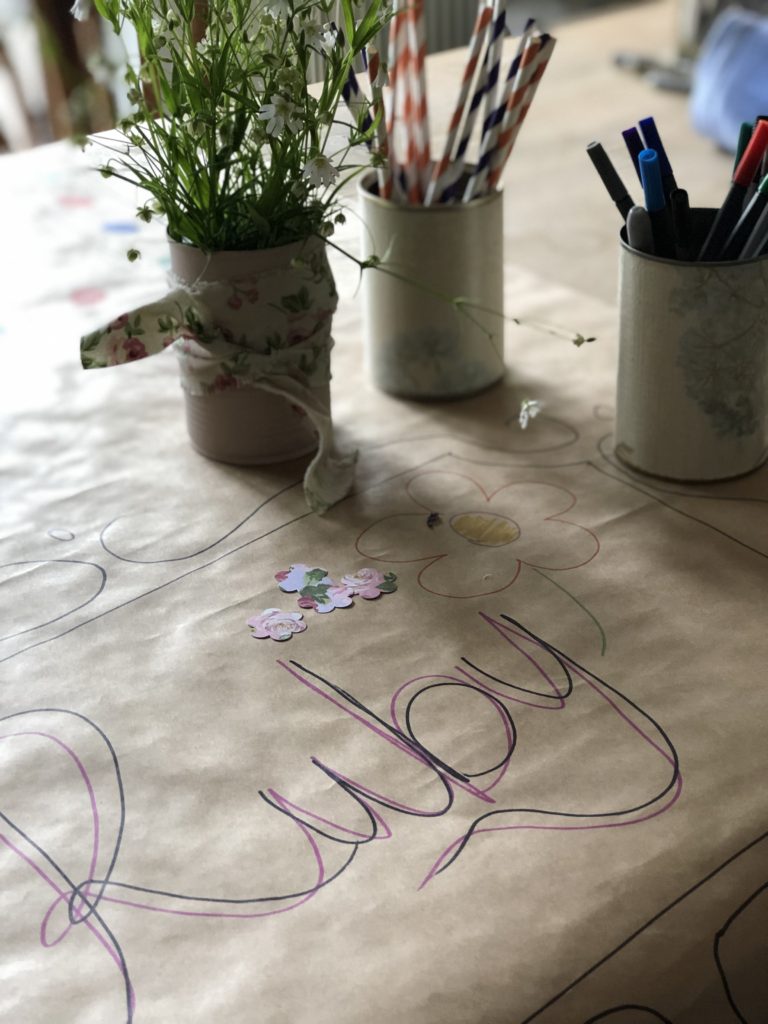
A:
(492, 125)
(466, 134)
(494, 59)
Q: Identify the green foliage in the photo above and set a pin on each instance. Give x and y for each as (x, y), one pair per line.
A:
(225, 136)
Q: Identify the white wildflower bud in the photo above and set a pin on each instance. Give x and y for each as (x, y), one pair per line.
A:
(529, 409)
(80, 9)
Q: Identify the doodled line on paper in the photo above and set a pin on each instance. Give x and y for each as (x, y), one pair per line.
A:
(87, 901)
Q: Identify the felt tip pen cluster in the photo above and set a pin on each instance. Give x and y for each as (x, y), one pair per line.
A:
(662, 226)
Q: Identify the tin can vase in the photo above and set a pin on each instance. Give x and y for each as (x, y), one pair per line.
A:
(265, 303)
(433, 312)
(692, 396)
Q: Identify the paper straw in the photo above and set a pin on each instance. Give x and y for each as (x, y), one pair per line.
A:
(477, 46)
(390, 100)
(513, 119)
(526, 51)
(456, 167)
(356, 102)
(377, 76)
(397, 174)
(494, 60)
(401, 141)
(354, 97)
(418, 47)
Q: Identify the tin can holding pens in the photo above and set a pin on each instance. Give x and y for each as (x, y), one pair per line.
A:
(434, 309)
(692, 395)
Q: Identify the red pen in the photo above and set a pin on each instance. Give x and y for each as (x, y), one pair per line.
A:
(729, 213)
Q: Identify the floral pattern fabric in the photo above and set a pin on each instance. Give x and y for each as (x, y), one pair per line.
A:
(270, 330)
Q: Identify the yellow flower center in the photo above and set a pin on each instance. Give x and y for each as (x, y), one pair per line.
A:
(485, 528)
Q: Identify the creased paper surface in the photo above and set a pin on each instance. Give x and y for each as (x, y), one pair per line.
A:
(525, 786)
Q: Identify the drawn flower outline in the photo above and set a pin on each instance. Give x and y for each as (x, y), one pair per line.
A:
(484, 537)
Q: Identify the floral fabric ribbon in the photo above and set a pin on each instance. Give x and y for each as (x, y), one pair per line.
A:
(269, 330)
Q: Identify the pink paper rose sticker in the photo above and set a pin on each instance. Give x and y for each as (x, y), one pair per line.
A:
(316, 590)
(369, 583)
(274, 624)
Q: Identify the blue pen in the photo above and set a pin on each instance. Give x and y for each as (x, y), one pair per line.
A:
(656, 204)
(635, 146)
(653, 141)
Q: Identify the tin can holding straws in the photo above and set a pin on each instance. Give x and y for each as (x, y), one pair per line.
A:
(434, 309)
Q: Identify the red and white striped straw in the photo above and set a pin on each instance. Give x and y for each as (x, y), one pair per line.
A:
(377, 76)
(477, 47)
(402, 142)
(418, 45)
(395, 171)
(513, 119)
(517, 78)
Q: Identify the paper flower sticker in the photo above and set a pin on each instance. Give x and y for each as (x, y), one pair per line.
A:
(370, 583)
(274, 624)
(315, 588)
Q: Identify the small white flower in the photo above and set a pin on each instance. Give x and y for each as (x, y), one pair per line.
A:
(80, 9)
(529, 409)
(194, 125)
(280, 8)
(313, 31)
(280, 114)
(320, 171)
(329, 38)
(99, 68)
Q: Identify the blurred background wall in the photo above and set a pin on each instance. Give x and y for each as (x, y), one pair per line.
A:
(60, 77)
